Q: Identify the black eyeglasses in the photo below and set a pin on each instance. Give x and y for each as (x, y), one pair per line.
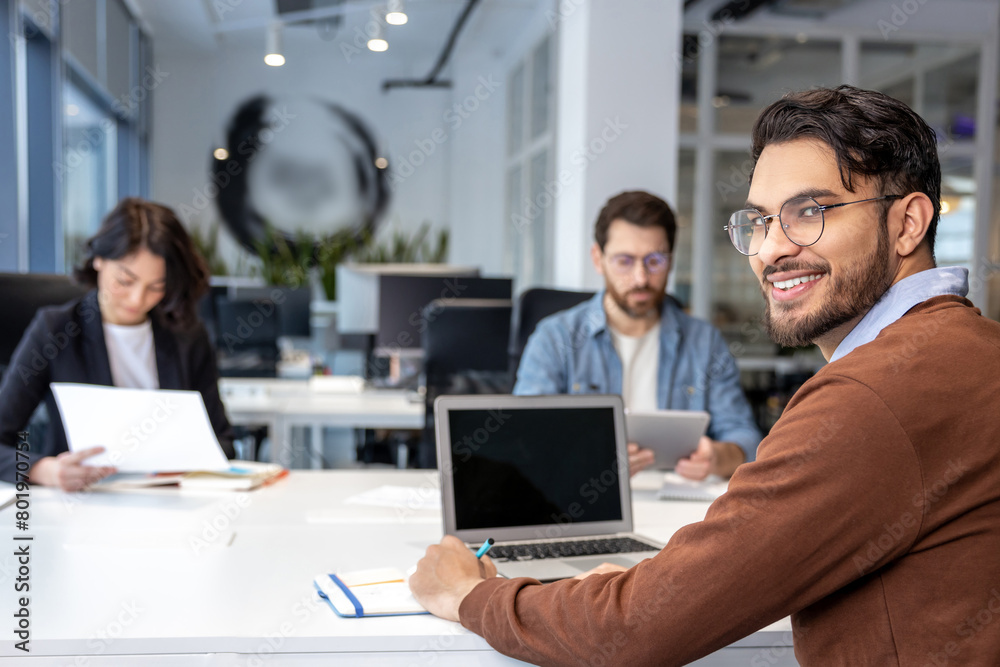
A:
(801, 220)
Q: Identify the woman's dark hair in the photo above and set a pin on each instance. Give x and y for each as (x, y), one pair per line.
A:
(871, 134)
(136, 223)
(637, 208)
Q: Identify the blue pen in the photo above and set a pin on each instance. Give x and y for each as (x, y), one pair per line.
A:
(486, 547)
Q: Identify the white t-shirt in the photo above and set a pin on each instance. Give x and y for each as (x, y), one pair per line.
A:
(132, 355)
(640, 357)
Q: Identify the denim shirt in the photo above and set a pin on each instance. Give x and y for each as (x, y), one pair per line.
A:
(572, 352)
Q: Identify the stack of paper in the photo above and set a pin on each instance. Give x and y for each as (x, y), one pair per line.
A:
(241, 476)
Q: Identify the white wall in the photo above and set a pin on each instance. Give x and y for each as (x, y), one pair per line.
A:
(192, 106)
(619, 84)
(478, 145)
(613, 64)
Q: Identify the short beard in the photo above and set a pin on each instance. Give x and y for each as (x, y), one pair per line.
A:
(621, 301)
(853, 294)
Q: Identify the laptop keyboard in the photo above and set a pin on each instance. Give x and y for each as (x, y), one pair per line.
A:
(530, 551)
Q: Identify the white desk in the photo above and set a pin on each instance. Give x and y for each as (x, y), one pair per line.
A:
(285, 404)
(143, 578)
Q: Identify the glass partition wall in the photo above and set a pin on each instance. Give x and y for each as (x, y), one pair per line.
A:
(728, 79)
(745, 73)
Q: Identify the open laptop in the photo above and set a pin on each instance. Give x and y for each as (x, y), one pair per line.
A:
(545, 476)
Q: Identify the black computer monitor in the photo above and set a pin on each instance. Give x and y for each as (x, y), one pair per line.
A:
(466, 335)
(208, 311)
(246, 340)
(291, 306)
(402, 298)
(294, 313)
(288, 308)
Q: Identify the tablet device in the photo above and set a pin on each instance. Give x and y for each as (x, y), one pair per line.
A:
(672, 434)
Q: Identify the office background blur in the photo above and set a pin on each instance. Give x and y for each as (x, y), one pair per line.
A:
(536, 113)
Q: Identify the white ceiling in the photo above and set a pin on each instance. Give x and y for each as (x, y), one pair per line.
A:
(211, 26)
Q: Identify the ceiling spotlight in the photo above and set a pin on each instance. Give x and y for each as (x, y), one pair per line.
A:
(220, 154)
(72, 110)
(395, 13)
(381, 163)
(274, 57)
(376, 42)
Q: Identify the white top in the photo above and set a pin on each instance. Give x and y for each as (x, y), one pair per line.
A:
(640, 357)
(132, 355)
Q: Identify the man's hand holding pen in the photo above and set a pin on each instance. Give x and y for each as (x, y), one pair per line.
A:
(446, 574)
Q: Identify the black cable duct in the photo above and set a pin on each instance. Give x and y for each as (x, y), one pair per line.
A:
(431, 81)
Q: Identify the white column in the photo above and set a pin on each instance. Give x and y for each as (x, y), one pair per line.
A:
(986, 123)
(705, 226)
(618, 91)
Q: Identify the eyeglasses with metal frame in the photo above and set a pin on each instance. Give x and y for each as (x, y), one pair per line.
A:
(801, 219)
(655, 262)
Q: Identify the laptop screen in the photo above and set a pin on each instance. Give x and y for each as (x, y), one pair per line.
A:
(534, 466)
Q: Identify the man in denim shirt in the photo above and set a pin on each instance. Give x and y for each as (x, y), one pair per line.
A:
(634, 340)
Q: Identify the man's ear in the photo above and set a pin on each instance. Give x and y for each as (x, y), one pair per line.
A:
(595, 256)
(917, 212)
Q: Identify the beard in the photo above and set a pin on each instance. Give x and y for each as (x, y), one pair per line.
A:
(853, 293)
(620, 299)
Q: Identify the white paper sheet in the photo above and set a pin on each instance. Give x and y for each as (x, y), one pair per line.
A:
(142, 430)
(676, 487)
(399, 497)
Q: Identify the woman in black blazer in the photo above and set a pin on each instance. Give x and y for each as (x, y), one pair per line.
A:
(137, 328)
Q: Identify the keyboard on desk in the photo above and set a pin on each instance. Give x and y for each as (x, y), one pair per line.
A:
(598, 547)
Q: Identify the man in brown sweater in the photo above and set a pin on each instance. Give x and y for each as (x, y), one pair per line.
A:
(872, 512)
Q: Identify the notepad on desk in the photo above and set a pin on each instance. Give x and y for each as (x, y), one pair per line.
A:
(377, 592)
(676, 487)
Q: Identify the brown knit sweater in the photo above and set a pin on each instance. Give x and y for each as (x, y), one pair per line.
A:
(871, 515)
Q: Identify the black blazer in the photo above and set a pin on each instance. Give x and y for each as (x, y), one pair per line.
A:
(66, 344)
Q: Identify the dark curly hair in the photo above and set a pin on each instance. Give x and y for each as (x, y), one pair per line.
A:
(136, 223)
(870, 133)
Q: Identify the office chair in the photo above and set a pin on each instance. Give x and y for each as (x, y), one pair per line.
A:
(533, 306)
(465, 352)
(21, 295)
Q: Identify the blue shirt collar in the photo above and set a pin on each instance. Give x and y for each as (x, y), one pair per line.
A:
(899, 299)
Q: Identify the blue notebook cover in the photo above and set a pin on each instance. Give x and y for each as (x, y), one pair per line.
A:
(379, 592)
